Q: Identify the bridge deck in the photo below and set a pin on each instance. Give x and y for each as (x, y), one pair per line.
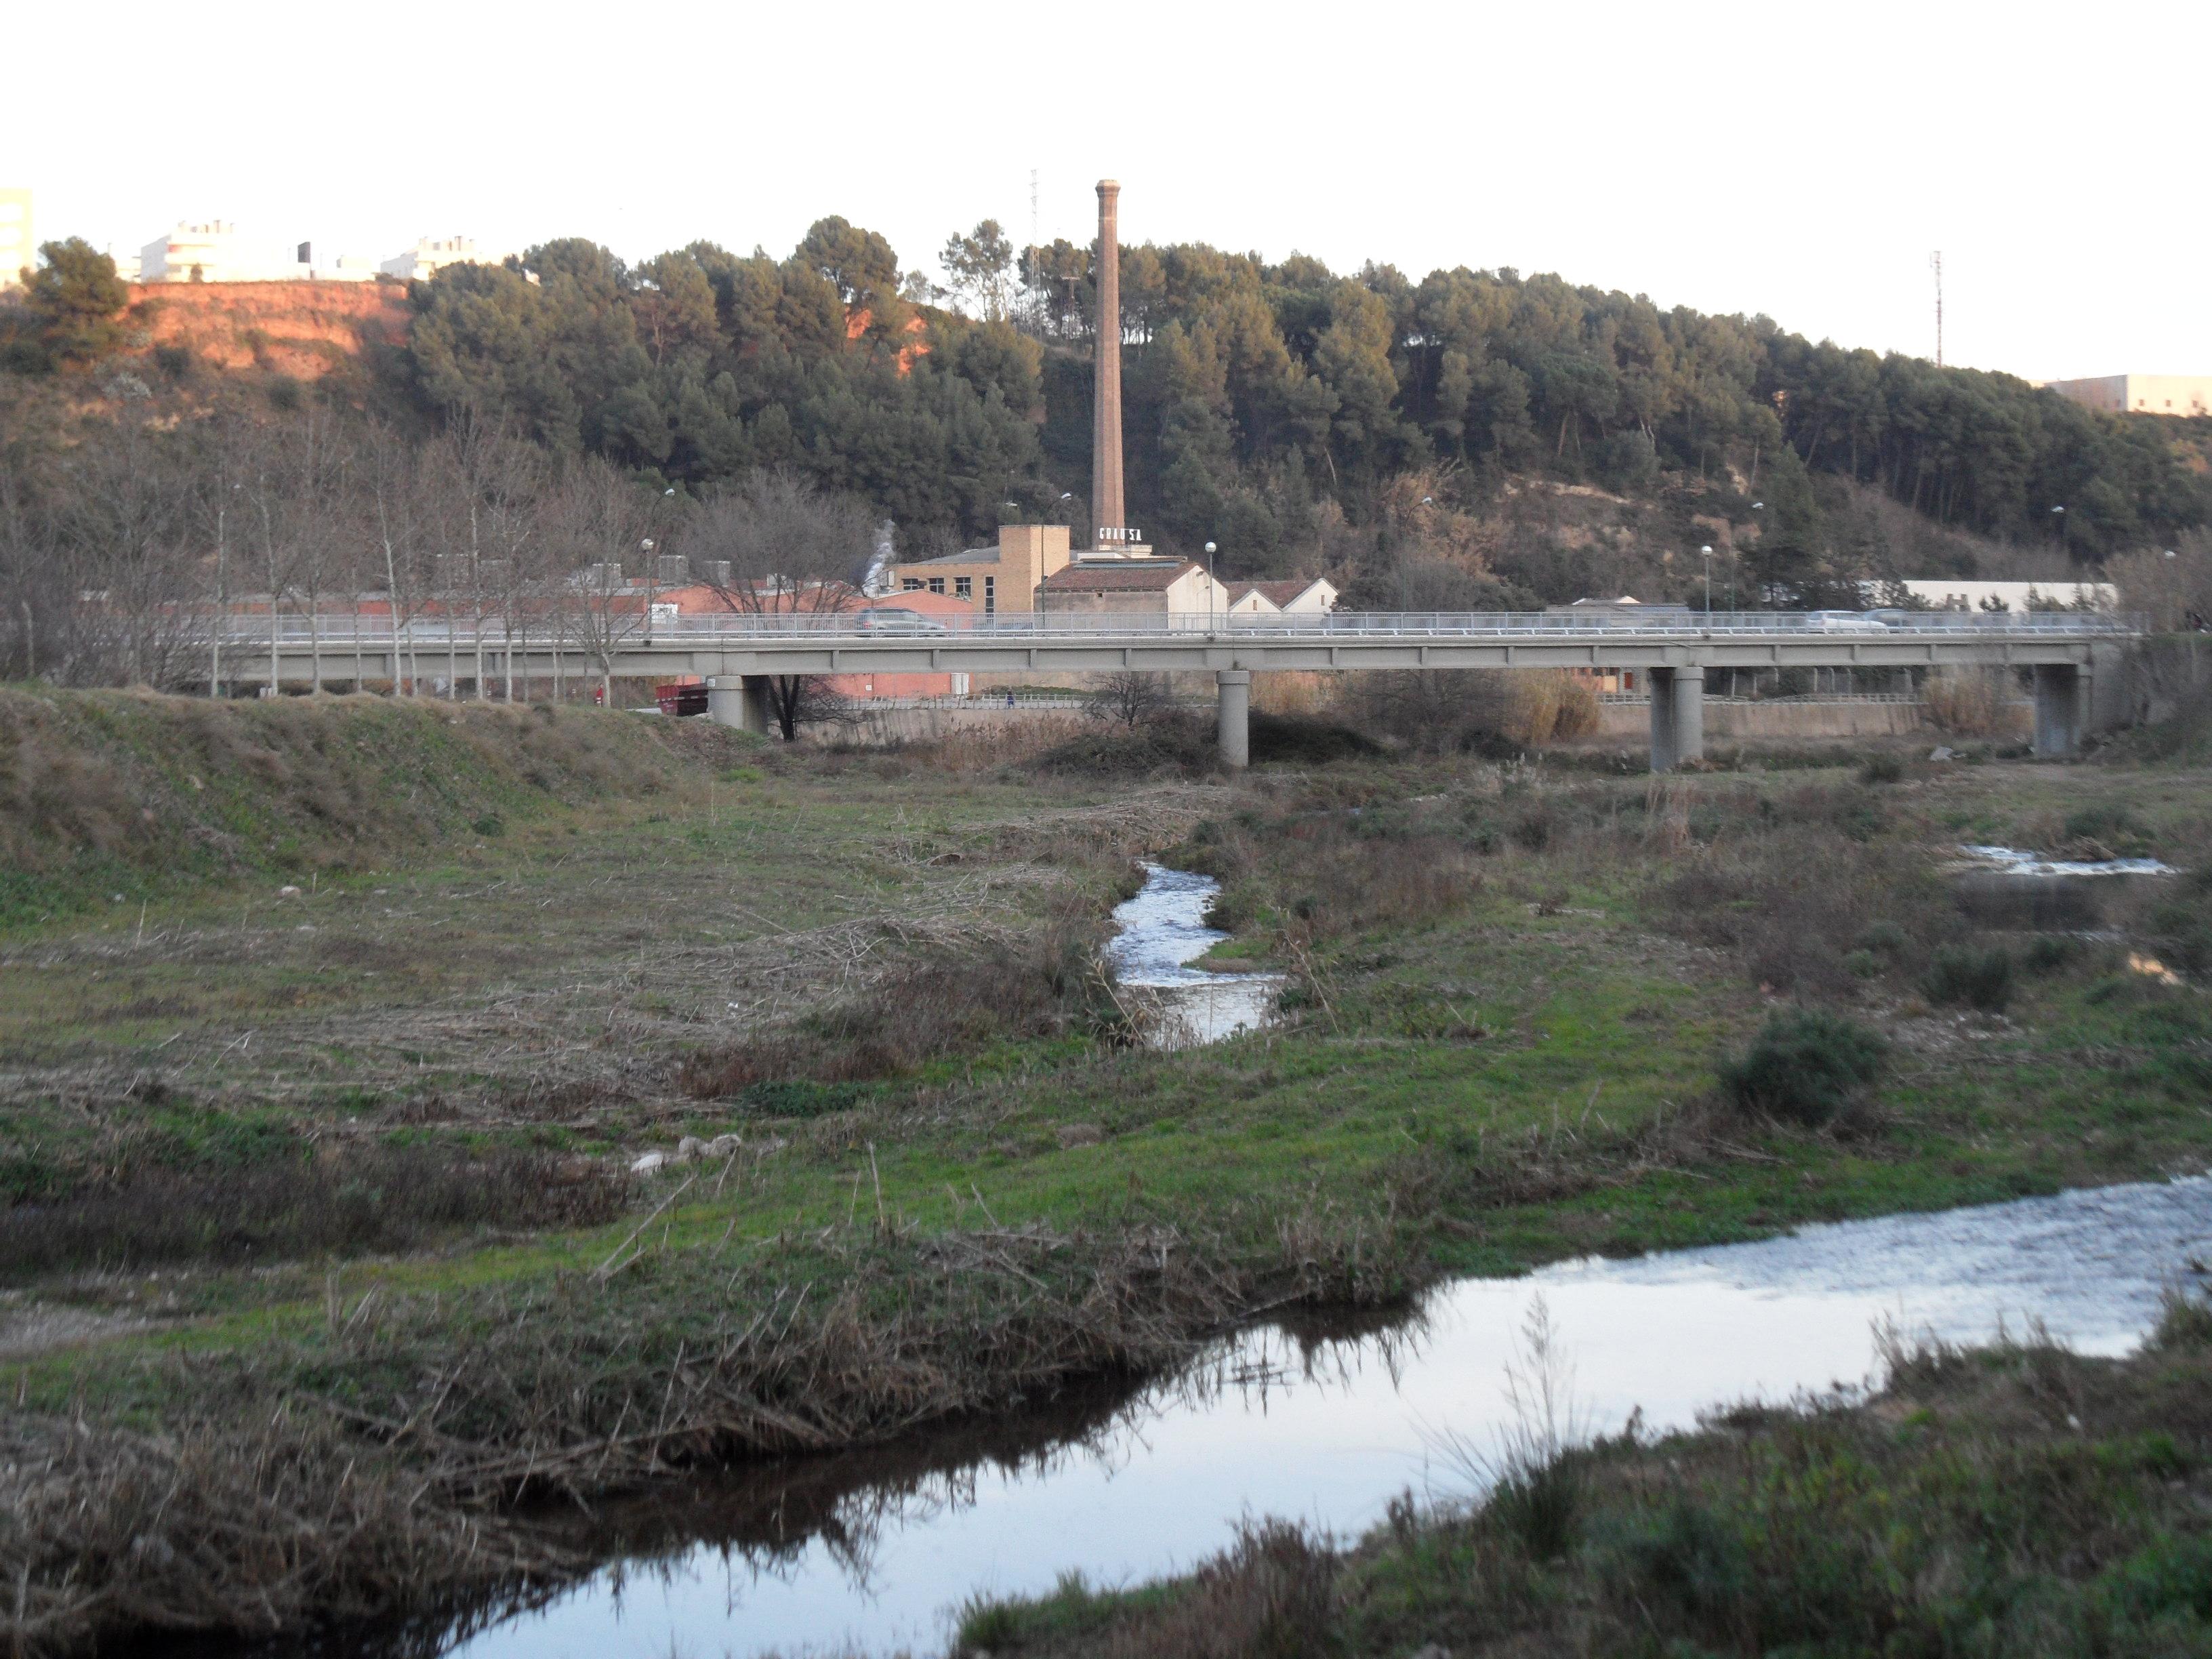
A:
(861, 642)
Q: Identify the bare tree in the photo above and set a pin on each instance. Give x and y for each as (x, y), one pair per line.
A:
(594, 525)
(123, 524)
(487, 484)
(392, 476)
(27, 568)
(1130, 698)
(776, 545)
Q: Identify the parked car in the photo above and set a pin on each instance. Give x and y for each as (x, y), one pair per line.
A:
(893, 619)
(1840, 622)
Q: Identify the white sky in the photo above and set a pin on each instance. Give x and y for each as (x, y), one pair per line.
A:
(1799, 160)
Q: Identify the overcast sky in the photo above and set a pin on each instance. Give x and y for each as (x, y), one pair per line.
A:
(1798, 160)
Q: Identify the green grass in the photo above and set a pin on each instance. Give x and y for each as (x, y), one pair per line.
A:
(1503, 1051)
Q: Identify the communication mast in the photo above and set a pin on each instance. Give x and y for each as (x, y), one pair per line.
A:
(1033, 207)
(1935, 265)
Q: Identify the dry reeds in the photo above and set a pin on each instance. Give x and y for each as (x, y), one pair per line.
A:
(383, 1483)
(1972, 702)
(292, 1205)
(996, 988)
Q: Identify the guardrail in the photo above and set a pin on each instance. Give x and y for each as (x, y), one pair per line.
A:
(340, 633)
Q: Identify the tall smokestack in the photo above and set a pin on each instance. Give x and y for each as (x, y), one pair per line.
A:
(1106, 511)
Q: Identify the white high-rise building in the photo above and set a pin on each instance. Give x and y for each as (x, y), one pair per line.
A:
(18, 248)
(432, 254)
(211, 250)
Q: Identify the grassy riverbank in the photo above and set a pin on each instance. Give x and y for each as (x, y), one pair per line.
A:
(321, 1207)
(2016, 1500)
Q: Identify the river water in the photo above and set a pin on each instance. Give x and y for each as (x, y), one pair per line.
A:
(1159, 933)
(869, 1554)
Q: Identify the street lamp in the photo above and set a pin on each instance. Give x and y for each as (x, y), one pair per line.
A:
(1211, 586)
(1707, 554)
(2058, 525)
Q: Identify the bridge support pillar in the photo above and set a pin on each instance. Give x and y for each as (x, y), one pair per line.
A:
(741, 702)
(2061, 691)
(1661, 681)
(1678, 716)
(1233, 686)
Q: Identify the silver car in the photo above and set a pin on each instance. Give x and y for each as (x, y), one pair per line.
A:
(892, 619)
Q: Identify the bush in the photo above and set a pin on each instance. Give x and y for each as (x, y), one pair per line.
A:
(1883, 938)
(2185, 1323)
(1961, 975)
(1686, 1564)
(1882, 768)
(1295, 739)
(1806, 1066)
(2110, 825)
(2051, 953)
(1541, 1503)
(2181, 935)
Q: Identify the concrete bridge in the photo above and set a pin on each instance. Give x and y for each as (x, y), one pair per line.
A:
(2074, 657)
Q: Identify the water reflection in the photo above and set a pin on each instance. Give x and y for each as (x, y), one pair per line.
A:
(1161, 931)
(1316, 1421)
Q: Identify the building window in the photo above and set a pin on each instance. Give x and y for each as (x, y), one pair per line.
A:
(962, 587)
(936, 584)
(910, 585)
(990, 595)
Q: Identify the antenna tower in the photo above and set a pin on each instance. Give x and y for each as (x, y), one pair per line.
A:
(1935, 265)
(1033, 207)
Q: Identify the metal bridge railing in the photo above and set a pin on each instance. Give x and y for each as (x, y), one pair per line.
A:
(538, 633)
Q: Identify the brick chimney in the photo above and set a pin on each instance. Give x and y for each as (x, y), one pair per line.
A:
(1106, 508)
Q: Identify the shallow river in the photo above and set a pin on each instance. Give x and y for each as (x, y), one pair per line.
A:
(869, 1554)
(1160, 932)
(871, 1551)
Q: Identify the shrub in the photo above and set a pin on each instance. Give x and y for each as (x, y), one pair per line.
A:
(1882, 768)
(1686, 1563)
(1884, 937)
(2112, 825)
(1301, 740)
(2051, 953)
(1863, 964)
(1541, 1503)
(2185, 1323)
(1963, 976)
(2181, 936)
(1806, 1066)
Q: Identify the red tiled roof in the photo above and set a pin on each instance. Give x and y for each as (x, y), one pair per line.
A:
(1136, 576)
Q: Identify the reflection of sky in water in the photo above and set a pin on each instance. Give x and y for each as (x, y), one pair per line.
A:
(1667, 1334)
(1162, 930)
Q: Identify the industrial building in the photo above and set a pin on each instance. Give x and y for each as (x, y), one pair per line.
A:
(993, 579)
(2179, 395)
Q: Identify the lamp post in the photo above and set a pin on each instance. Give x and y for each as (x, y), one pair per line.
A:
(653, 564)
(1707, 554)
(2058, 525)
(1212, 587)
